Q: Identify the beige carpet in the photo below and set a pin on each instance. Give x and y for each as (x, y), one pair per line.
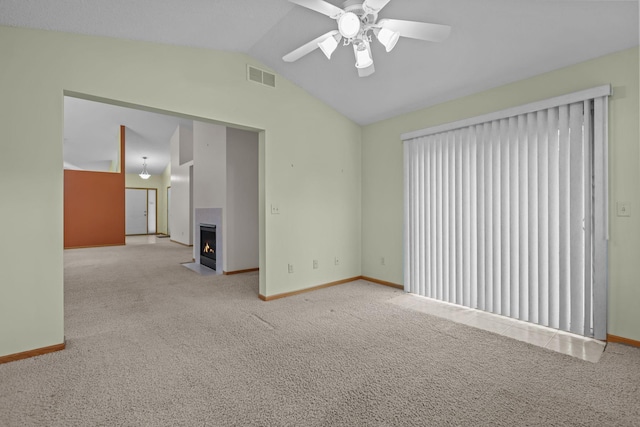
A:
(151, 343)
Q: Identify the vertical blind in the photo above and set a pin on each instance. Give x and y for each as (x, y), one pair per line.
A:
(508, 215)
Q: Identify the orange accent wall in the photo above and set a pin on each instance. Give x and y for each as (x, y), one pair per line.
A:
(94, 211)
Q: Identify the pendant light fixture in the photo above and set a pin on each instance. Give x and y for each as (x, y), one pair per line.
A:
(144, 174)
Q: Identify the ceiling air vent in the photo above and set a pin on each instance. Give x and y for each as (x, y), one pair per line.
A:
(260, 76)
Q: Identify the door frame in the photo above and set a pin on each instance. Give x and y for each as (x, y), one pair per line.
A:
(147, 205)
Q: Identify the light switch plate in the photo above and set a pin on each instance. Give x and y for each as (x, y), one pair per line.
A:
(623, 208)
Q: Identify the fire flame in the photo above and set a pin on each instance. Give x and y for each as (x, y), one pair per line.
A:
(207, 249)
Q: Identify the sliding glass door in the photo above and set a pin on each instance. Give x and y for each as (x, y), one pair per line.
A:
(508, 216)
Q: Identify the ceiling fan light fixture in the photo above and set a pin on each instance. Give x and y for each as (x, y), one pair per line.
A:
(356, 20)
(363, 55)
(144, 174)
(349, 25)
(329, 45)
(388, 38)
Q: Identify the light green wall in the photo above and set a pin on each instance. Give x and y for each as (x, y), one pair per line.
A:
(335, 194)
(311, 161)
(133, 180)
(382, 188)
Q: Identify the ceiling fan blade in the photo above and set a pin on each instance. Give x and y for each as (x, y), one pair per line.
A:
(320, 6)
(365, 72)
(308, 47)
(374, 5)
(417, 30)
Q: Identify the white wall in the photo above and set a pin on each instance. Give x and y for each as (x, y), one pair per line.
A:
(225, 176)
(181, 190)
(242, 249)
(209, 174)
(185, 151)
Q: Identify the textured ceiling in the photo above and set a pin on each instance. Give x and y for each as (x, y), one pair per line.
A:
(493, 42)
(212, 24)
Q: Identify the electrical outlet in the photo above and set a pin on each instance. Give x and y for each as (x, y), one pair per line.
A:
(382, 261)
(623, 208)
(290, 268)
(315, 264)
(275, 209)
(337, 261)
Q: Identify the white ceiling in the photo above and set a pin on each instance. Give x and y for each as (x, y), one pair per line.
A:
(493, 42)
(92, 136)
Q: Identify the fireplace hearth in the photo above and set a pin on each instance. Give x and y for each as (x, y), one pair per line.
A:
(208, 245)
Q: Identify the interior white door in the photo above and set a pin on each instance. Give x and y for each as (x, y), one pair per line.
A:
(136, 211)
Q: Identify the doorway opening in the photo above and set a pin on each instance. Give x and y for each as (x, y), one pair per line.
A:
(141, 211)
(192, 162)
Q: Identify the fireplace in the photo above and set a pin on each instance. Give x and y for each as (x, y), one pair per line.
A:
(208, 245)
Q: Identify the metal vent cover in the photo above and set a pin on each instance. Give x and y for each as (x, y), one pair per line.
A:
(268, 79)
(260, 76)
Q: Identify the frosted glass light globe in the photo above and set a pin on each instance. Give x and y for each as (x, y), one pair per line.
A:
(349, 25)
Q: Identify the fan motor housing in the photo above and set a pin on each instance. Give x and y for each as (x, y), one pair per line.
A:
(355, 6)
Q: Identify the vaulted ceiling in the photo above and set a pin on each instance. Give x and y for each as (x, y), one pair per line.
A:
(493, 42)
(92, 136)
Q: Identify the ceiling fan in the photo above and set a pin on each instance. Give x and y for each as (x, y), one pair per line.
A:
(356, 20)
